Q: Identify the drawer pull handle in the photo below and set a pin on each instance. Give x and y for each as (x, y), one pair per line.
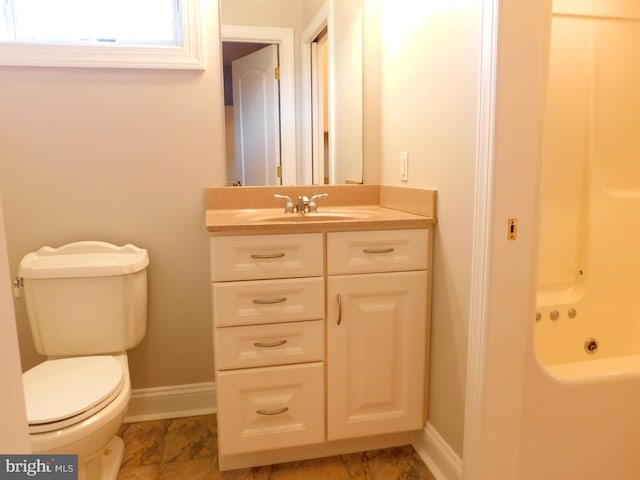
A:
(272, 344)
(266, 256)
(378, 250)
(258, 301)
(272, 412)
(339, 309)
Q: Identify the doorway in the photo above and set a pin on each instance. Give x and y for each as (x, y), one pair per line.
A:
(246, 41)
(252, 113)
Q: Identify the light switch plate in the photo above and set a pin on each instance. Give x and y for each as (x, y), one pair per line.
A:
(404, 166)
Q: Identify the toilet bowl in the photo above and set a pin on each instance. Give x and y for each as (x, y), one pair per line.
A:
(86, 426)
(85, 301)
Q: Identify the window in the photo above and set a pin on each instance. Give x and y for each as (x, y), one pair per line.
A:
(101, 33)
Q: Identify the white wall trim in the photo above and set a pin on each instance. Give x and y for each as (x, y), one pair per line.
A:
(436, 453)
(172, 401)
(283, 37)
(481, 260)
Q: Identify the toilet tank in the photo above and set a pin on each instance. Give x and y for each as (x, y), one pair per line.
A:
(86, 297)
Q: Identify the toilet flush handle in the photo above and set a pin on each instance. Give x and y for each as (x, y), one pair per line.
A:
(18, 283)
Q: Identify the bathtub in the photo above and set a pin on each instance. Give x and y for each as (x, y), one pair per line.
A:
(582, 338)
(612, 368)
(580, 412)
(581, 401)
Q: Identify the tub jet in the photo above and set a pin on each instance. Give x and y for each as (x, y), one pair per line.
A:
(591, 346)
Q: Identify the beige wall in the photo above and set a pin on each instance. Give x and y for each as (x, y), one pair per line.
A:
(121, 156)
(430, 65)
(274, 13)
(371, 92)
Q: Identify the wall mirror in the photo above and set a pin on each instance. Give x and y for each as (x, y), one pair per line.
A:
(293, 76)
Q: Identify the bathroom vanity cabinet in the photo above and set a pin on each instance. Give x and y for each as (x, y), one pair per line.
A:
(376, 331)
(320, 340)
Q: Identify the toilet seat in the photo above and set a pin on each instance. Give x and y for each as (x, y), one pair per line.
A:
(63, 392)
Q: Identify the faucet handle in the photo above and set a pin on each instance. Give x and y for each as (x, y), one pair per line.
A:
(313, 205)
(288, 207)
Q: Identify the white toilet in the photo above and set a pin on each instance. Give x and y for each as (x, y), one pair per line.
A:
(87, 305)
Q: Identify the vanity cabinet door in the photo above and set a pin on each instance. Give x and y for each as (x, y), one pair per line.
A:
(376, 343)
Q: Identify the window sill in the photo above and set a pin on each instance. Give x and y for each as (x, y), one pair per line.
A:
(100, 56)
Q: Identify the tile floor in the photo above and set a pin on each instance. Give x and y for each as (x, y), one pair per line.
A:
(186, 449)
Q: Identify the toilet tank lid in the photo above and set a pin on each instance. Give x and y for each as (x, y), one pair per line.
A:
(83, 259)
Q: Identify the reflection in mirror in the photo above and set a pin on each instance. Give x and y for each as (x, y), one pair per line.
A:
(313, 134)
(252, 112)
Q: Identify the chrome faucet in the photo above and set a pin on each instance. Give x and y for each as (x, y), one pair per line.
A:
(303, 204)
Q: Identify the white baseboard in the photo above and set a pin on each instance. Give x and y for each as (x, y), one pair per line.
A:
(171, 402)
(436, 453)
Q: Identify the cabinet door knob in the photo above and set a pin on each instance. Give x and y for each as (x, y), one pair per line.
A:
(271, 344)
(272, 412)
(259, 301)
(339, 309)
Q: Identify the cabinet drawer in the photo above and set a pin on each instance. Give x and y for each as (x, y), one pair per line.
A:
(377, 251)
(268, 301)
(273, 407)
(266, 256)
(271, 344)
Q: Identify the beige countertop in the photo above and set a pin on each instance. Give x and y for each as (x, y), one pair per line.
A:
(273, 220)
(387, 208)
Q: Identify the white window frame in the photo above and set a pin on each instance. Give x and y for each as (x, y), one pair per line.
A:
(186, 56)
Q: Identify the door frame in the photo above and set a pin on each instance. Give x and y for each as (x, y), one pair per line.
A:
(283, 37)
(14, 437)
(313, 168)
(515, 37)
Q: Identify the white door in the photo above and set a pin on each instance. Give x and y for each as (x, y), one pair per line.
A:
(257, 117)
(376, 336)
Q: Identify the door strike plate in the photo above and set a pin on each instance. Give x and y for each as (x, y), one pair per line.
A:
(512, 229)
